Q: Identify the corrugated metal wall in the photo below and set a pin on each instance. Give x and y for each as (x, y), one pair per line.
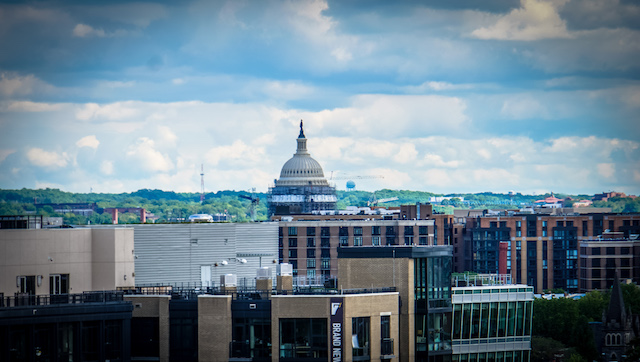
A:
(174, 253)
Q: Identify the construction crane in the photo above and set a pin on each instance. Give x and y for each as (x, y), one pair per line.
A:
(375, 202)
(351, 185)
(255, 201)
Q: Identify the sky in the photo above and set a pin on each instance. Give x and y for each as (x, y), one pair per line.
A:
(529, 96)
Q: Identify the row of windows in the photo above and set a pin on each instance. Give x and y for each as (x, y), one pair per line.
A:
(357, 241)
(357, 230)
(609, 251)
(492, 320)
(507, 356)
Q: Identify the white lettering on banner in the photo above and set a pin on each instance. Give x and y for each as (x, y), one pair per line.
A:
(336, 356)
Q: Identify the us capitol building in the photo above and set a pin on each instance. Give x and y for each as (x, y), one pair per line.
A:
(302, 187)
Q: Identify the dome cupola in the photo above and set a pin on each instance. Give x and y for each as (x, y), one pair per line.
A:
(302, 169)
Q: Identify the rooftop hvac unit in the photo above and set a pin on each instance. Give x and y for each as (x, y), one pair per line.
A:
(263, 273)
(228, 280)
(285, 269)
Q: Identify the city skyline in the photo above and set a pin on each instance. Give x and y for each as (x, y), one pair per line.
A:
(527, 96)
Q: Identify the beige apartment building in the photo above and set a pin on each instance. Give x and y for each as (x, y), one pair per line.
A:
(65, 261)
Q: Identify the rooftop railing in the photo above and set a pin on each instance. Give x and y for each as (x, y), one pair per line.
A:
(28, 300)
(464, 280)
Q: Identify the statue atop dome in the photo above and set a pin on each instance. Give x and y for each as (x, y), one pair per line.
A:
(301, 135)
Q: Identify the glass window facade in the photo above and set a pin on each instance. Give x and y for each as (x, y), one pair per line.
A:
(433, 306)
(303, 338)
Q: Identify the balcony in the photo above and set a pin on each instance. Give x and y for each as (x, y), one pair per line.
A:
(386, 348)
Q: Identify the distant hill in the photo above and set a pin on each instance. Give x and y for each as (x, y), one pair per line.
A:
(169, 205)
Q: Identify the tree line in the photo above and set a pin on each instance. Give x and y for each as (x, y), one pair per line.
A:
(169, 206)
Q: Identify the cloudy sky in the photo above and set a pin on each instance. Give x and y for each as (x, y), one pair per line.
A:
(528, 96)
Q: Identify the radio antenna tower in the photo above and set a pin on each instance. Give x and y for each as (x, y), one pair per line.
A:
(201, 183)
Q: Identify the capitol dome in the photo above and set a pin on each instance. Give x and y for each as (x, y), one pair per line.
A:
(302, 169)
(302, 187)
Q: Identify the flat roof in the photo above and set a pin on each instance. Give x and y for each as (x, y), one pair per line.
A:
(394, 251)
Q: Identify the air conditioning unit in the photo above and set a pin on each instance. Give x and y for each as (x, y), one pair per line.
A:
(263, 273)
(228, 280)
(285, 269)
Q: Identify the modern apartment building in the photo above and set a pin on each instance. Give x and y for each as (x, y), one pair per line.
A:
(312, 246)
(608, 258)
(491, 322)
(542, 250)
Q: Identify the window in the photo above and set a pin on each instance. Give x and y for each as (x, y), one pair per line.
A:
(518, 224)
(344, 231)
(386, 343)
(303, 338)
(357, 230)
(585, 228)
(311, 273)
(518, 233)
(325, 231)
(361, 339)
(423, 240)
(560, 223)
(59, 284)
(311, 242)
(390, 230)
(344, 241)
(611, 251)
(293, 253)
(595, 262)
(311, 253)
(408, 240)
(311, 263)
(293, 242)
(325, 253)
(375, 240)
(357, 241)
(293, 231)
(408, 230)
(311, 231)
(544, 232)
(375, 230)
(494, 224)
(423, 230)
(544, 223)
(326, 264)
(325, 242)
(595, 251)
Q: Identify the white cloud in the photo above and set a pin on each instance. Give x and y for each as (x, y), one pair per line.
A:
(166, 136)
(12, 84)
(106, 167)
(535, 20)
(28, 106)
(147, 157)
(5, 153)
(406, 153)
(113, 111)
(435, 160)
(88, 141)
(87, 31)
(523, 107)
(237, 153)
(42, 158)
(606, 170)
